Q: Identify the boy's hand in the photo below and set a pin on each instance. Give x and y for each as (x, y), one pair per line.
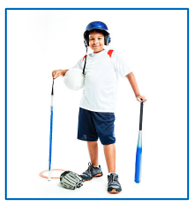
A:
(57, 73)
(141, 98)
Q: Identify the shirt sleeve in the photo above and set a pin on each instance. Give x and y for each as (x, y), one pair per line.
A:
(78, 64)
(120, 65)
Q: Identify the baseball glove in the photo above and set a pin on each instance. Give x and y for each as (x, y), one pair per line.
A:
(71, 180)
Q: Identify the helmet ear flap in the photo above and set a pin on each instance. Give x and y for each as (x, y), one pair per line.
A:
(86, 40)
(86, 43)
(107, 39)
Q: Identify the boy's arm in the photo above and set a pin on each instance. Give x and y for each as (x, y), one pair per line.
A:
(60, 72)
(135, 88)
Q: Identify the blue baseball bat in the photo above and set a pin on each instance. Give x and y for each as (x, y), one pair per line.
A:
(51, 129)
(138, 160)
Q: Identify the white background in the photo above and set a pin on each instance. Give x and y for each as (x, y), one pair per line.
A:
(154, 44)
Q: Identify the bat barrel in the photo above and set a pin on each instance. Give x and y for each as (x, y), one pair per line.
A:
(138, 158)
(138, 165)
(51, 129)
(50, 146)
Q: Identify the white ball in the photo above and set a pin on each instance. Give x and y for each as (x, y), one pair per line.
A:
(74, 79)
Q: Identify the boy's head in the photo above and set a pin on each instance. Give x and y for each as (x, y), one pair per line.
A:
(98, 30)
(96, 40)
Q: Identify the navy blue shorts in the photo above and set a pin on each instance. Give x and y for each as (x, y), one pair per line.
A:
(94, 125)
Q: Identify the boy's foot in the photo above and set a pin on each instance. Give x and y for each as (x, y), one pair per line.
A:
(92, 171)
(114, 186)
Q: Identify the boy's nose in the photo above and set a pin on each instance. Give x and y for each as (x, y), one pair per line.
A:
(95, 41)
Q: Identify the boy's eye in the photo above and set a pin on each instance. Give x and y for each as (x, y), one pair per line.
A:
(93, 38)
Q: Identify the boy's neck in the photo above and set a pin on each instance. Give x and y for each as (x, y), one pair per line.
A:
(99, 51)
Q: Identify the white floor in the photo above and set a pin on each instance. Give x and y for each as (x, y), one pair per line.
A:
(158, 180)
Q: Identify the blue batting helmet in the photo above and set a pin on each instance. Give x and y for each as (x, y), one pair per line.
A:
(97, 25)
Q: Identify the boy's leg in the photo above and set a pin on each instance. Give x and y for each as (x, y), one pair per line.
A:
(93, 152)
(110, 155)
(113, 183)
(92, 170)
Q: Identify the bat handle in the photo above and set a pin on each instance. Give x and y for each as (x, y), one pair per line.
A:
(141, 116)
(52, 93)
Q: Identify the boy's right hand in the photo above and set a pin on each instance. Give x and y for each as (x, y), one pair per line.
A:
(57, 73)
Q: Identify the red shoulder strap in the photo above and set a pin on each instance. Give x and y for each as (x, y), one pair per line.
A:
(84, 58)
(110, 53)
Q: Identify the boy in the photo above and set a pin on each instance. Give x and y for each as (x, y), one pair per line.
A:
(97, 107)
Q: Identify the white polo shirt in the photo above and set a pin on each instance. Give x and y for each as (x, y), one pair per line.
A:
(101, 77)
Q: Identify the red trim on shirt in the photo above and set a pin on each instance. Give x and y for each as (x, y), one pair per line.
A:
(83, 58)
(110, 53)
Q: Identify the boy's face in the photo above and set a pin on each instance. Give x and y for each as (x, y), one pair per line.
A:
(96, 42)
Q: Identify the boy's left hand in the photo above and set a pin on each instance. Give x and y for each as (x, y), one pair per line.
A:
(141, 98)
